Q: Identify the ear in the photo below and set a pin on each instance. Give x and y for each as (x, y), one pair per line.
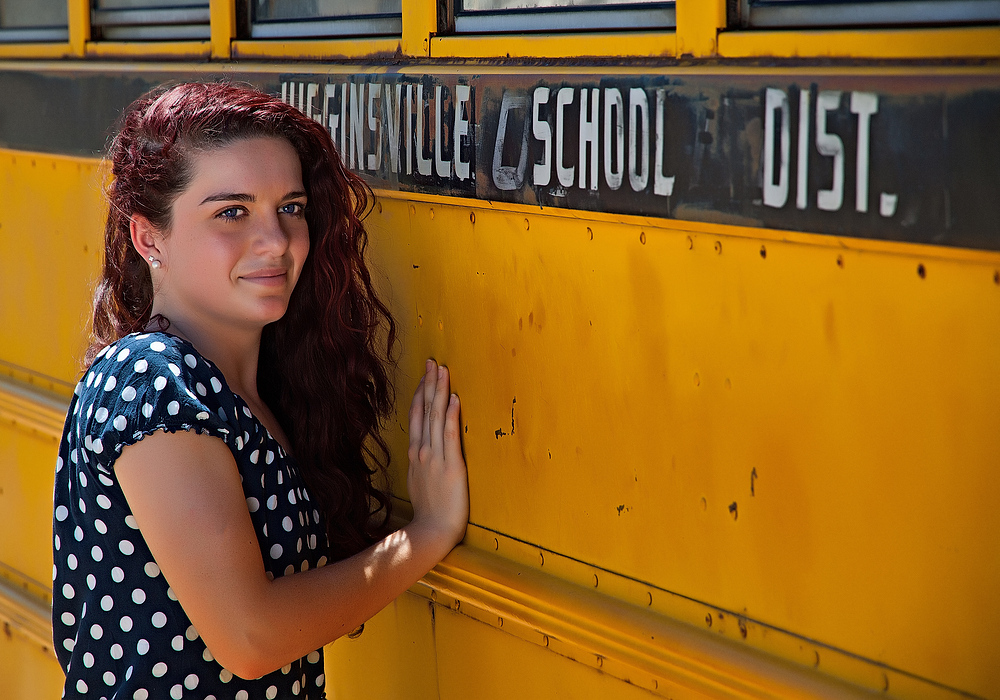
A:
(145, 238)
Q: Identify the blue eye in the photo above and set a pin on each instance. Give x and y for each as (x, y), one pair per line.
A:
(231, 213)
(294, 208)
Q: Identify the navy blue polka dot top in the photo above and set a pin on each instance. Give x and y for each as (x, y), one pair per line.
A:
(119, 631)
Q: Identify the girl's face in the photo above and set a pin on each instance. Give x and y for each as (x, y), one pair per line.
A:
(238, 237)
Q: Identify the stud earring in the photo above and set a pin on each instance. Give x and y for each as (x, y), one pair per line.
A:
(154, 263)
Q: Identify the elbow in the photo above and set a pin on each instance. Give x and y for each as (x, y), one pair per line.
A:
(245, 654)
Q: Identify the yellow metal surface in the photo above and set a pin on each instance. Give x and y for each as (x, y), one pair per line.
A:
(222, 14)
(698, 25)
(768, 435)
(79, 26)
(149, 49)
(420, 23)
(314, 50)
(35, 50)
(26, 670)
(965, 42)
(646, 44)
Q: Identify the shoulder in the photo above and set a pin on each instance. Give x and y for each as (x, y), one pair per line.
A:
(153, 381)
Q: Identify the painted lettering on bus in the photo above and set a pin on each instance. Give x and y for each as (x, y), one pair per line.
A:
(393, 126)
(778, 133)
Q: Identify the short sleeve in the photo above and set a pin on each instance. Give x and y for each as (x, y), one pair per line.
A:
(147, 383)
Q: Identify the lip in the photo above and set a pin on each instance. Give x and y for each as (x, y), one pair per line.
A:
(268, 277)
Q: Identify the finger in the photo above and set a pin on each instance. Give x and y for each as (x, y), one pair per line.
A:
(438, 410)
(430, 385)
(417, 415)
(453, 432)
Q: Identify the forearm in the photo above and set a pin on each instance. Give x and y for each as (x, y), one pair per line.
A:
(296, 614)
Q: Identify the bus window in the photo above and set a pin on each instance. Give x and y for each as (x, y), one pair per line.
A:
(138, 20)
(847, 13)
(274, 19)
(482, 16)
(33, 20)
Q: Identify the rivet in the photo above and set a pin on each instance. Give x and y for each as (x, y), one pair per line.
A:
(763, 252)
(472, 217)
(921, 271)
(743, 628)
(600, 660)
(718, 247)
(431, 212)
(996, 277)
(704, 503)
(590, 232)
(649, 597)
(708, 619)
(458, 605)
(595, 581)
(499, 622)
(729, 384)
(545, 638)
(526, 225)
(420, 321)
(541, 558)
(440, 325)
(434, 595)
(642, 237)
(496, 544)
(378, 205)
(413, 209)
(840, 261)
(697, 379)
(690, 243)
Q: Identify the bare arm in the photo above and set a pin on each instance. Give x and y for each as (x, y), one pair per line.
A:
(194, 518)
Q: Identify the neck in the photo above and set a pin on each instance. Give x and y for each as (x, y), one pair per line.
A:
(235, 351)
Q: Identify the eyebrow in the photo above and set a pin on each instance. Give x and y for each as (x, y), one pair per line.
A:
(243, 197)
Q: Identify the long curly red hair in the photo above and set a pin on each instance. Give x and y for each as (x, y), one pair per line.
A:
(324, 366)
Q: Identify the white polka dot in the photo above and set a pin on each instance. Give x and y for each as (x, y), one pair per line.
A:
(67, 591)
(117, 652)
(140, 366)
(83, 480)
(171, 594)
(157, 346)
(119, 423)
(109, 678)
(191, 633)
(158, 619)
(305, 565)
(91, 581)
(130, 521)
(200, 388)
(203, 415)
(59, 463)
(295, 688)
(320, 680)
(96, 631)
(98, 446)
(128, 393)
(159, 383)
(142, 647)
(126, 624)
(253, 504)
(122, 355)
(239, 443)
(100, 526)
(269, 457)
(177, 692)
(242, 695)
(78, 533)
(173, 408)
(225, 676)
(175, 370)
(105, 480)
(271, 693)
(275, 551)
(285, 669)
(103, 501)
(81, 686)
(313, 657)
(321, 562)
(141, 694)
(298, 546)
(90, 379)
(191, 681)
(272, 502)
(216, 385)
(139, 596)
(68, 644)
(290, 569)
(67, 618)
(126, 547)
(107, 602)
(291, 497)
(312, 541)
(101, 414)
(111, 383)
(177, 643)
(207, 655)
(61, 513)
(117, 574)
(190, 360)
(147, 410)
(159, 669)
(58, 542)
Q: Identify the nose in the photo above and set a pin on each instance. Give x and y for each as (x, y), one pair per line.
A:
(270, 236)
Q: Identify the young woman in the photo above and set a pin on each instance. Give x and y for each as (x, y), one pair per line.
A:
(218, 517)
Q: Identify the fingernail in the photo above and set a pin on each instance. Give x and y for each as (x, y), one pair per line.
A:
(454, 399)
(430, 365)
(441, 371)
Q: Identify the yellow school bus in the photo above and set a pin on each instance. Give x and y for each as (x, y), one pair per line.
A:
(718, 280)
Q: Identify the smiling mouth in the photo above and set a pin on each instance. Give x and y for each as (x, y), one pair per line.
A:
(268, 278)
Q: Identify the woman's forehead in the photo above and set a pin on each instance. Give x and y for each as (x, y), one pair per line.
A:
(247, 165)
